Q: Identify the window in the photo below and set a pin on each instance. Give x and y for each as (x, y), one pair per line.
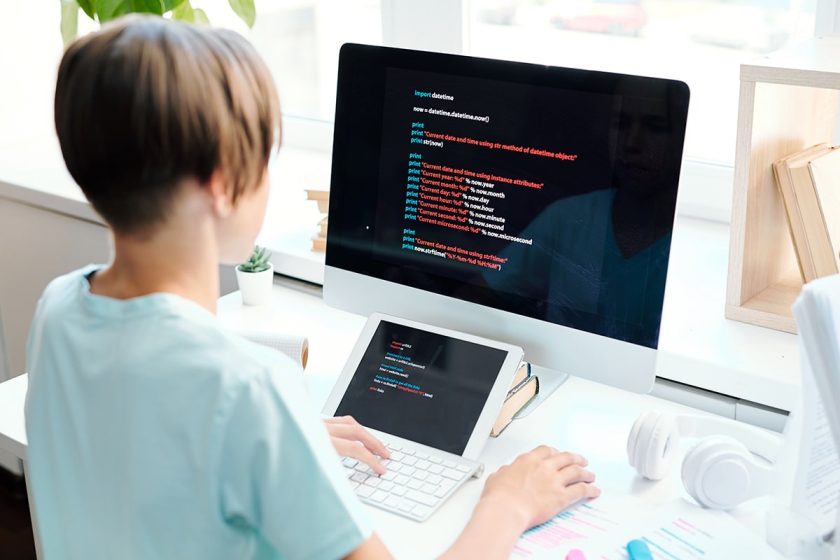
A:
(299, 40)
(701, 42)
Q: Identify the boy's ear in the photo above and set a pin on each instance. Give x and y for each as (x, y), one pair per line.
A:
(220, 195)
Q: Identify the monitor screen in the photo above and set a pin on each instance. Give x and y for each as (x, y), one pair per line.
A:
(541, 191)
(422, 386)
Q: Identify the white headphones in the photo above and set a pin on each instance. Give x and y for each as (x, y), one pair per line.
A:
(720, 471)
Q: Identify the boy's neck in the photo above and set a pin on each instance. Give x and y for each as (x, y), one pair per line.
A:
(177, 260)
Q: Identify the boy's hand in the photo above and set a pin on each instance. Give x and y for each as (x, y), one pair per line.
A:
(541, 483)
(351, 439)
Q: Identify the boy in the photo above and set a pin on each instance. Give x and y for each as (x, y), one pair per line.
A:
(152, 433)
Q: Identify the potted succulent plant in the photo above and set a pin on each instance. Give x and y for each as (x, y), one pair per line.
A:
(255, 277)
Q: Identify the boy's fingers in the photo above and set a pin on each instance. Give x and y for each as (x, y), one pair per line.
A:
(357, 450)
(355, 432)
(341, 420)
(582, 490)
(573, 474)
(542, 452)
(566, 458)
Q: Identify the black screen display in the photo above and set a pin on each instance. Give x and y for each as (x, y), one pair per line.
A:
(422, 386)
(546, 192)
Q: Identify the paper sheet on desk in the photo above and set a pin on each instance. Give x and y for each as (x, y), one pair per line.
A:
(676, 530)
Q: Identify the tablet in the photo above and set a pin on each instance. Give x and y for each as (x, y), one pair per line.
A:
(425, 384)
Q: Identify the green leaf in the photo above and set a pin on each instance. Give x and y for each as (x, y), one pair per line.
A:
(87, 6)
(69, 20)
(201, 17)
(106, 10)
(184, 12)
(169, 5)
(245, 10)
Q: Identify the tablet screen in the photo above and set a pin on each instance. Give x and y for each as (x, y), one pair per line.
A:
(422, 386)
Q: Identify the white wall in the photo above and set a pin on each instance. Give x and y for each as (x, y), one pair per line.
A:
(36, 245)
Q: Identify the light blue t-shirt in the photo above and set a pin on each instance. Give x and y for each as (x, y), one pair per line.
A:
(155, 434)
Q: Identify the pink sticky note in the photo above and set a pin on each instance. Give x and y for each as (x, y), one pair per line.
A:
(575, 554)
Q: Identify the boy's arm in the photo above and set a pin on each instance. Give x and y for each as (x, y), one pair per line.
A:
(529, 491)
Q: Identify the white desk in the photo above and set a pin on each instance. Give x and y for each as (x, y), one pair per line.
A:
(586, 417)
(582, 416)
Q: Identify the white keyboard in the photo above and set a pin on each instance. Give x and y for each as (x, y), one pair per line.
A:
(417, 481)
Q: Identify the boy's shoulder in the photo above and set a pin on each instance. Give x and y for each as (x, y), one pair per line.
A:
(189, 334)
(67, 284)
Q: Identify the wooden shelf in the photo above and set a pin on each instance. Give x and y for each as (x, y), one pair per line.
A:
(788, 101)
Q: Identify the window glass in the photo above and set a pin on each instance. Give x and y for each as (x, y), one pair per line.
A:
(701, 42)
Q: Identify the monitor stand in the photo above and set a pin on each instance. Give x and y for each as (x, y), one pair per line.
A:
(550, 380)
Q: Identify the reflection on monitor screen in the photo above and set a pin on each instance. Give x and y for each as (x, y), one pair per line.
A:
(548, 193)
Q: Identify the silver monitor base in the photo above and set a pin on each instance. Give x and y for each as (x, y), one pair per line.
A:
(550, 380)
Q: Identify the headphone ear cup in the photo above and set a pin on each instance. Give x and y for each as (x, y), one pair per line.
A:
(717, 472)
(651, 444)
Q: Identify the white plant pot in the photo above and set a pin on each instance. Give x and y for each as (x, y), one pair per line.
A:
(255, 287)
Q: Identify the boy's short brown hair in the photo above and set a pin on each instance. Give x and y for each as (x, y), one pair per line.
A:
(146, 102)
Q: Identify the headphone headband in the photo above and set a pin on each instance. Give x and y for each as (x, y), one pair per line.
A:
(758, 441)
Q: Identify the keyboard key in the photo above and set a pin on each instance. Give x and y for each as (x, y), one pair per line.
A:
(405, 505)
(453, 474)
(441, 492)
(364, 491)
(408, 451)
(424, 499)
(429, 488)
(386, 485)
(389, 475)
(435, 459)
(361, 467)
(359, 477)
(409, 461)
(408, 471)
(400, 480)
(414, 483)
(422, 464)
(463, 468)
(398, 490)
(448, 463)
(350, 462)
(421, 475)
(392, 501)
(379, 496)
(349, 472)
(373, 481)
(433, 479)
(421, 511)
(447, 483)
(354, 485)
(421, 455)
(436, 469)
(394, 446)
(397, 456)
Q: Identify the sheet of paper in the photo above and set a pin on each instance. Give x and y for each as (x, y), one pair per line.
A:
(676, 530)
(817, 479)
(576, 527)
(679, 530)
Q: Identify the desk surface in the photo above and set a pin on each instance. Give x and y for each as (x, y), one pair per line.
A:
(582, 416)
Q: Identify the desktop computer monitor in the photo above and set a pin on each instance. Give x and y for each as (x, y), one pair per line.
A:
(526, 203)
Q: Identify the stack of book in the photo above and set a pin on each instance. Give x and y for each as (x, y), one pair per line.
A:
(524, 388)
(319, 240)
(809, 182)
